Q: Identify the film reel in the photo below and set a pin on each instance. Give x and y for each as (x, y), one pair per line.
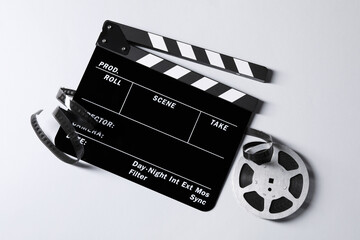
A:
(274, 188)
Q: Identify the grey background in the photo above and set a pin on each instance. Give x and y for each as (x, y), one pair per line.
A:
(312, 105)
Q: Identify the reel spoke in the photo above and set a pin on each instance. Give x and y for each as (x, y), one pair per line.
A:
(267, 204)
(294, 173)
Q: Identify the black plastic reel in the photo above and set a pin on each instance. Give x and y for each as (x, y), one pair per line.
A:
(274, 189)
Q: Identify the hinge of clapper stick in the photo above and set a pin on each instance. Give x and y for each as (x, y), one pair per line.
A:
(123, 40)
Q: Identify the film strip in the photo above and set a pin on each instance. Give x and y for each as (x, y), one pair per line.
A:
(79, 114)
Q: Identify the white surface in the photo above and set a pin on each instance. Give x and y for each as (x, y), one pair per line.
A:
(312, 105)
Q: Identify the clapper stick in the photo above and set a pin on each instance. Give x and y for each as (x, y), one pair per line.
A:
(125, 40)
(193, 53)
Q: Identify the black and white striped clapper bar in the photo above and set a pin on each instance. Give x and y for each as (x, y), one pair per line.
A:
(125, 39)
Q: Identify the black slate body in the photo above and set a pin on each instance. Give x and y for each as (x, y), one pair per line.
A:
(157, 131)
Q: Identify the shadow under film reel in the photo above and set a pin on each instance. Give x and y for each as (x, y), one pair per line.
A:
(273, 188)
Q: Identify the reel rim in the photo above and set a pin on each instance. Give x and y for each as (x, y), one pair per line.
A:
(296, 202)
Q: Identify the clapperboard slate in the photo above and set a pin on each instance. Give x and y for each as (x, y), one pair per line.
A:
(160, 125)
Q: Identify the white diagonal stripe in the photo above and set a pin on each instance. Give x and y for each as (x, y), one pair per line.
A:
(158, 42)
(243, 67)
(204, 83)
(232, 95)
(186, 50)
(177, 72)
(67, 102)
(149, 60)
(214, 58)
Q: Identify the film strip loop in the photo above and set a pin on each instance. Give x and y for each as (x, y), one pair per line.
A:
(65, 96)
(258, 152)
(76, 112)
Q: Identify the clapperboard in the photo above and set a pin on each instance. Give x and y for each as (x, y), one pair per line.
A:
(159, 124)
